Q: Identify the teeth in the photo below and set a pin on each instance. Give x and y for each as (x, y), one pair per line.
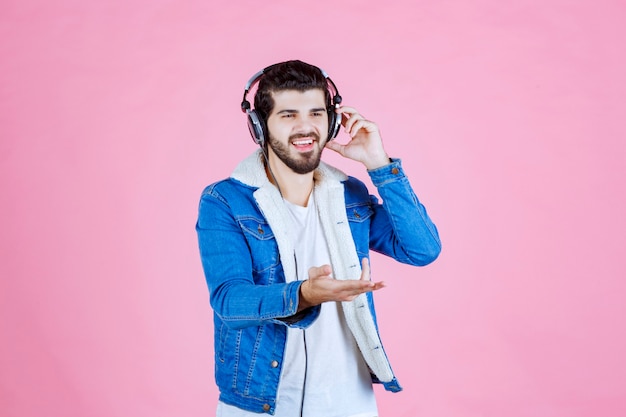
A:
(303, 142)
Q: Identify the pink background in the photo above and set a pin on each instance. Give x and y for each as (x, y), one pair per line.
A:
(509, 117)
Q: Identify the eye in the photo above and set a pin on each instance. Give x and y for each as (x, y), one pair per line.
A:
(317, 114)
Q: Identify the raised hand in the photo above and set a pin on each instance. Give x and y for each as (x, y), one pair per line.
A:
(365, 145)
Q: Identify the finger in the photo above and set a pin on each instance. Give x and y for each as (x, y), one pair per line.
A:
(349, 296)
(364, 124)
(379, 285)
(354, 118)
(346, 113)
(336, 146)
(358, 125)
(347, 110)
(319, 271)
(365, 269)
(355, 292)
(362, 290)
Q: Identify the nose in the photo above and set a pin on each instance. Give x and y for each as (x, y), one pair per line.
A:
(309, 123)
(304, 124)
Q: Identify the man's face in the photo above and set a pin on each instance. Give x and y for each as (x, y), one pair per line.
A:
(298, 128)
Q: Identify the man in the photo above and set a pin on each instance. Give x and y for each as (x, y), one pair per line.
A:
(285, 244)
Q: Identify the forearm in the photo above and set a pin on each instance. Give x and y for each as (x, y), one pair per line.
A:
(236, 296)
(240, 294)
(402, 228)
(243, 305)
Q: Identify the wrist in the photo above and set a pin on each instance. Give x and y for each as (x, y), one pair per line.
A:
(303, 303)
(377, 162)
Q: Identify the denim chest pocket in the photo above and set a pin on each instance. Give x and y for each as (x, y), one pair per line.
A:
(359, 213)
(260, 238)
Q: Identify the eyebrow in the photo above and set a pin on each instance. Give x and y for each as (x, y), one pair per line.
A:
(290, 111)
(287, 111)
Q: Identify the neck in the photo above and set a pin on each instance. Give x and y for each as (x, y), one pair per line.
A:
(295, 188)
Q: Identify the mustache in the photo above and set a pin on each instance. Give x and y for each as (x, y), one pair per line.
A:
(305, 135)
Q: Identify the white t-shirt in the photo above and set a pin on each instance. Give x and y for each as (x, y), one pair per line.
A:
(323, 373)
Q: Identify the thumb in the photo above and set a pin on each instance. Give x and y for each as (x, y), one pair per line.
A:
(319, 271)
(335, 146)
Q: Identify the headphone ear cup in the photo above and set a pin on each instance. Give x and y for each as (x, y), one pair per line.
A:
(256, 128)
(334, 123)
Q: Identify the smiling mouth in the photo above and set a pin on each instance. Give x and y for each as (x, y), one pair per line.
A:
(302, 142)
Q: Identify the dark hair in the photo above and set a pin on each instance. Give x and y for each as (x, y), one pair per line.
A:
(289, 75)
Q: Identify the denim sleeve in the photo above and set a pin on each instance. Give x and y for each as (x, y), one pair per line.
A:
(227, 264)
(401, 227)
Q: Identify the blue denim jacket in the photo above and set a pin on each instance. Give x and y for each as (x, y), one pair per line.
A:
(247, 269)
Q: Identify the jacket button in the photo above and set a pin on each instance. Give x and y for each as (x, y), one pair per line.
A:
(266, 407)
(274, 364)
(395, 171)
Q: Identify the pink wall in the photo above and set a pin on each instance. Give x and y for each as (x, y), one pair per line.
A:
(509, 117)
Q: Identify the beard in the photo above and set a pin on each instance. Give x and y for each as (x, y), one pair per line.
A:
(300, 163)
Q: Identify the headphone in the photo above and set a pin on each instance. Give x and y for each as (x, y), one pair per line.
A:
(258, 127)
